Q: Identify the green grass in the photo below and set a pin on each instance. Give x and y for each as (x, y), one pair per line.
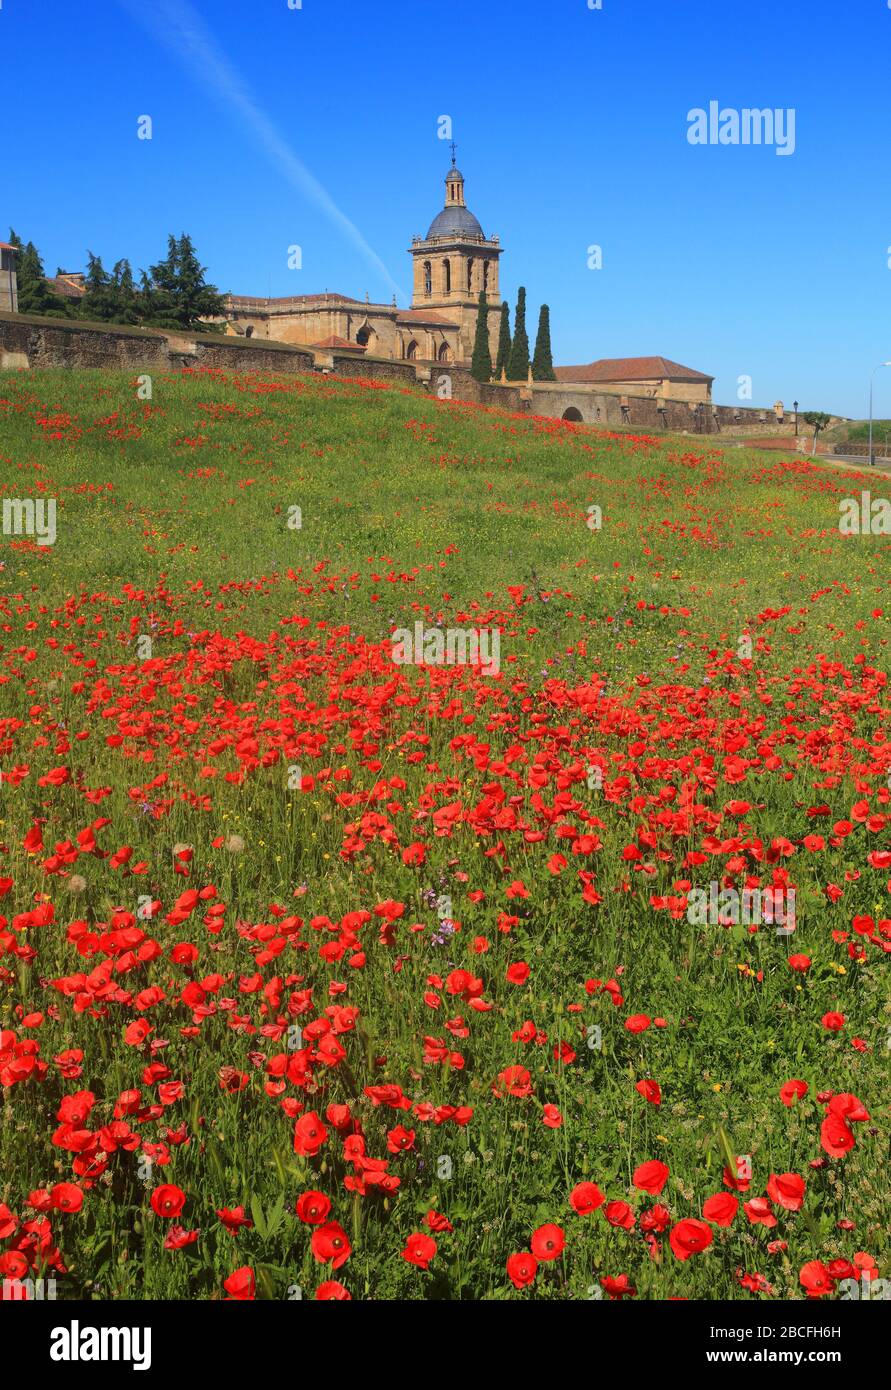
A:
(622, 648)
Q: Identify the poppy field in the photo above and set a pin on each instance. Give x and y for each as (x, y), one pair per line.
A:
(328, 972)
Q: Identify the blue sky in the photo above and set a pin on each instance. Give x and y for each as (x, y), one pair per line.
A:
(317, 126)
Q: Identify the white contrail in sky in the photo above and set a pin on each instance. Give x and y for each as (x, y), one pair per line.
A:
(176, 24)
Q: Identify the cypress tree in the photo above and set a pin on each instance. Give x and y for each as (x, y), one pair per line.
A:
(542, 365)
(481, 363)
(518, 363)
(503, 356)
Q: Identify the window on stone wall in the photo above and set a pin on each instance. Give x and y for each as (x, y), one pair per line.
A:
(447, 276)
(485, 275)
(428, 278)
(470, 273)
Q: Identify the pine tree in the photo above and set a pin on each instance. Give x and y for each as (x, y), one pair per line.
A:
(542, 365)
(178, 295)
(98, 304)
(518, 363)
(34, 292)
(110, 298)
(198, 300)
(503, 356)
(127, 299)
(481, 363)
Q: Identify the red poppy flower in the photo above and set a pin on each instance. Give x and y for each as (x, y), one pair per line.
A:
(522, 1269)
(619, 1214)
(419, 1250)
(759, 1212)
(241, 1283)
(309, 1134)
(586, 1197)
(651, 1177)
(330, 1244)
(331, 1290)
(168, 1200)
(816, 1279)
(688, 1237)
(67, 1196)
(312, 1207)
(547, 1242)
(786, 1190)
(791, 1091)
(720, 1209)
(618, 1287)
(836, 1136)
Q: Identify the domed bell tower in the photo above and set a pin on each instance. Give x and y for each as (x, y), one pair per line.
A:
(453, 263)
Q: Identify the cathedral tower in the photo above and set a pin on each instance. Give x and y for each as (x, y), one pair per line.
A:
(453, 263)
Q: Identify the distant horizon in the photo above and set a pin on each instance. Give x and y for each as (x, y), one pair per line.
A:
(677, 183)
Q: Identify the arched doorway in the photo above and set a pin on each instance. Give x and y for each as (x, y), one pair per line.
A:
(249, 331)
(573, 413)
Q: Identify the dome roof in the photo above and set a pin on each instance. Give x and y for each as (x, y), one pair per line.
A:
(454, 220)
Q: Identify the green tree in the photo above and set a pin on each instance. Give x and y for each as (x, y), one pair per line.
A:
(503, 355)
(481, 363)
(518, 364)
(36, 295)
(178, 295)
(819, 419)
(110, 298)
(542, 364)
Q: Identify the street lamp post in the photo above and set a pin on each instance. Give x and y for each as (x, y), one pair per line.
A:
(795, 408)
(871, 383)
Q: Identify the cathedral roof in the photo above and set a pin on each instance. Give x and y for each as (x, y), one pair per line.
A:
(455, 220)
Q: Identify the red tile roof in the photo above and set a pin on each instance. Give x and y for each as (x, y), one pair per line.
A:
(7, 246)
(68, 289)
(336, 342)
(424, 316)
(611, 369)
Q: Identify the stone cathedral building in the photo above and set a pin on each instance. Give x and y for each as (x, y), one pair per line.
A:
(452, 264)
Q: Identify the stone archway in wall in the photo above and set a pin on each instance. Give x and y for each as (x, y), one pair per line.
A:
(573, 414)
(445, 353)
(366, 338)
(411, 352)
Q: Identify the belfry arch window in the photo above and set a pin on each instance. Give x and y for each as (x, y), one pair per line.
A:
(470, 272)
(428, 278)
(447, 277)
(486, 276)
